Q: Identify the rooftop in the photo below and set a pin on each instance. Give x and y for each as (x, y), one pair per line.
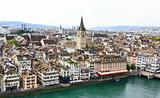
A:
(23, 57)
(49, 42)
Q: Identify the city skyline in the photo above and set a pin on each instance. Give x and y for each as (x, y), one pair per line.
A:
(95, 13)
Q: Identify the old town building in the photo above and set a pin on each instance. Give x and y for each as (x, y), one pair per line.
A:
(29, 80)
(111, 67)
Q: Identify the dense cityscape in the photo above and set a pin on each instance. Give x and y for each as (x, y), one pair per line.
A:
(50, 57)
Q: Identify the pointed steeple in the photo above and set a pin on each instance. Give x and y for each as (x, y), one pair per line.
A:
(60, 27)
(81, 27)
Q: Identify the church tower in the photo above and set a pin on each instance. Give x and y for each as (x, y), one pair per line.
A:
(81, 36)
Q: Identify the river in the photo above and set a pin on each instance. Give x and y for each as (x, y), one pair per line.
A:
(131, 87)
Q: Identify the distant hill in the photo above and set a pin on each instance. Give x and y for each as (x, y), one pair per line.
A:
(115, 28)
(18, 24)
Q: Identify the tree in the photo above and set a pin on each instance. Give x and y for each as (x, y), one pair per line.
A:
(20, 32)
(133, 67)
(13, 42)
(128, 67)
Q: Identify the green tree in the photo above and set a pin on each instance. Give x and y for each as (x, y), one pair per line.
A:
(133, 67)
(13, 42)
(128, 67)
(20, 32)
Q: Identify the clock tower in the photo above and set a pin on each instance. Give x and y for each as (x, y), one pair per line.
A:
(81, 36)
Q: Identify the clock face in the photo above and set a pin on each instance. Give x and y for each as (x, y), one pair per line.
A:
(81, 34)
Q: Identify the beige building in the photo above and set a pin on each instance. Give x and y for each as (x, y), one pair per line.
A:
(111, 67)
(29, 80)
(81, 36)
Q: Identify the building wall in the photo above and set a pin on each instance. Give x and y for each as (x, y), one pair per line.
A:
(29, 81)
(24, 65)
(148, 63)
(132, 60)
(64, 73)
(49, 77)
(1, 83)
(91, 66)
(110, 67)
(11, 80)
(81, 40)
(84, 74)
(74, 71)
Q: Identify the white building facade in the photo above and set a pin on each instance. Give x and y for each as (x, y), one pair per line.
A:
(148, 63)
(48, 77)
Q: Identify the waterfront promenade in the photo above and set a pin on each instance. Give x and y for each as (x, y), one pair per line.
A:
(149, 75)
(130, 87)
(53, 88)
(66, 86)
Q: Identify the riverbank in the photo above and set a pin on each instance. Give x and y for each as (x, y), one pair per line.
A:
(149, 75)
(47, 89)
(51, 88)
(129, 87)
(58, 87)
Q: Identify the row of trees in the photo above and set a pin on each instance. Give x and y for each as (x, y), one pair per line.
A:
(20, 32)
(156, 38)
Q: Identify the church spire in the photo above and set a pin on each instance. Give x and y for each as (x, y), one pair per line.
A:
(81, 27)
(60, 27)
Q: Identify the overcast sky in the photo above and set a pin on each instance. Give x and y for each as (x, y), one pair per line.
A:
(95, 12)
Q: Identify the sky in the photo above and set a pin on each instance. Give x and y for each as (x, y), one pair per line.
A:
(94, 12)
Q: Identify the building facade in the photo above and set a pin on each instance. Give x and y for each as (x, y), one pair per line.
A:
(74, 69)
(29, 80)
(84, 72)
(47, 75)
(23, 62)
(64, 74)
(11, 79)
(1, 83)
(148, 63)
(111, 67)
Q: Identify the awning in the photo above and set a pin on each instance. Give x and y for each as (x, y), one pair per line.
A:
(110, 73)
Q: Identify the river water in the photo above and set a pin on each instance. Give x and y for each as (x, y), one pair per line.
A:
(131, 87)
